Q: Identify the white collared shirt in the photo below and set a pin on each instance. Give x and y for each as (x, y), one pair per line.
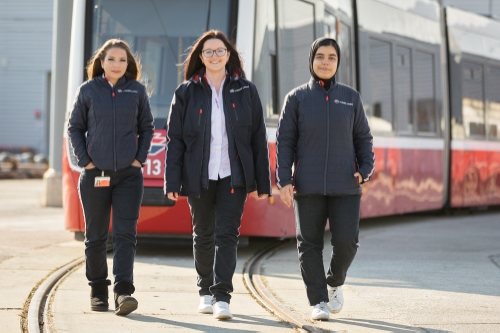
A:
(218, 165)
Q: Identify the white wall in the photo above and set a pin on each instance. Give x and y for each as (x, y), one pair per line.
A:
(25, 62)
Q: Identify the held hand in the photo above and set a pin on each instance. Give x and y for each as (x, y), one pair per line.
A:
(286, 194)
(89, 166)
(173, 195)
(359, 177)
(136, 163)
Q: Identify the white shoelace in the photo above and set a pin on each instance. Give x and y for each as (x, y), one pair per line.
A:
(334, 294)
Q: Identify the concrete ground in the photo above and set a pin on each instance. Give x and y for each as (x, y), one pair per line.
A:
(411, 274)
(33, 242)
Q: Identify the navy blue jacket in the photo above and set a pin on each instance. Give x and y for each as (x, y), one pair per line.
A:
(325, 136)
(111, 126)
(189, 132)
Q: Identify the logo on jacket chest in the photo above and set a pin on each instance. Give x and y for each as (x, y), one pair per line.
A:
(336, 101)
(239, 89)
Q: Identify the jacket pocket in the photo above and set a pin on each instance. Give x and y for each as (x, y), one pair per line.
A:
(355, 168)
(89, 146)
(296, 173)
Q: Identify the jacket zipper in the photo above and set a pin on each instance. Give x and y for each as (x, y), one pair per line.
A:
(201, 112)
(232, 129)
(235, 113)
(327, 140)
(114, 125)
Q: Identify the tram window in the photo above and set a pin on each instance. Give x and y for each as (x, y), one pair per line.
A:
(380, 86)
(493, 103)
(296, 33)
(473, 99)
(265, 66)
(404, 107)
(424, 92)
(158, 33)
(345, 49)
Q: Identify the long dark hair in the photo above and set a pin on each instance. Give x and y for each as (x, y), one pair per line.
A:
(193, 62)
(94, 68)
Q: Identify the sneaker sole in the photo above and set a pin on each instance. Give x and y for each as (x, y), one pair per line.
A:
(335, 311)
(223, 316)
(126, 307)
(206, 311)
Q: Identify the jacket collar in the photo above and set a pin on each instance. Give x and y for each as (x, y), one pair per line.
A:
(319, 84)
(120, 81)
(200, 76)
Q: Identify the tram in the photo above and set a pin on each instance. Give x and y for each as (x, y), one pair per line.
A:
(429, 78)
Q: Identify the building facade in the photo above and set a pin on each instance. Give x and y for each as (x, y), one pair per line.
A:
(25, 67)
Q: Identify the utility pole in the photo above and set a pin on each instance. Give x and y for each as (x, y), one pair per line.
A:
(61, 39)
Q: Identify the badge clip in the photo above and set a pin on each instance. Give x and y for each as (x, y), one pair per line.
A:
(102, 181)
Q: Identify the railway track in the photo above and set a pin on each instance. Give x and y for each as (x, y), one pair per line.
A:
(38, 314)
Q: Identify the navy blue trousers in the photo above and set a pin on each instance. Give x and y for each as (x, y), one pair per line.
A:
(311, 214)
(123, 197)
(216, 221)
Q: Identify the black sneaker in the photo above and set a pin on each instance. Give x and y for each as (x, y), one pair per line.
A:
(125, 304)
(99, 296)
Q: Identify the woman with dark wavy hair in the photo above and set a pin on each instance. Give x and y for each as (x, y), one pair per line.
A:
(216, 154)
(110, 130)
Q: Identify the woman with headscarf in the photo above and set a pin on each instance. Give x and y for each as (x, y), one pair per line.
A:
(323, 133)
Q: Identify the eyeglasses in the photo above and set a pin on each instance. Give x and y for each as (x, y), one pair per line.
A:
(208, 53)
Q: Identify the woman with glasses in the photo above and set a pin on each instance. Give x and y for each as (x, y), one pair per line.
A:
(324, 134)
(216, 153)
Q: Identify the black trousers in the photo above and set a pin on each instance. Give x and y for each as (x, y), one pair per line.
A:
(311, 214)
(123, 197)
(216, 221)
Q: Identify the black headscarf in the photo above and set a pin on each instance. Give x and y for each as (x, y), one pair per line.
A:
(323, 41)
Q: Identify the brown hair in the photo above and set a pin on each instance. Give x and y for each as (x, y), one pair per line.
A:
(193, 62)
(94, 68)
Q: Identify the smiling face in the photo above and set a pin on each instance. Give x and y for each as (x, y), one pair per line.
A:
(114, 64)
(325, 62)
(215, 63)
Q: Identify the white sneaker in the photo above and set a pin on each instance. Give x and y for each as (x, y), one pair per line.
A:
(221, 311)
(321, 311)
(205, 304)
(336, 298)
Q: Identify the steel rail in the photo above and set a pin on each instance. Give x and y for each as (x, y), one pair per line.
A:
(253, 281)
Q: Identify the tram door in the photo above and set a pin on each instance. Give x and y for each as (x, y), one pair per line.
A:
(340, 28)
